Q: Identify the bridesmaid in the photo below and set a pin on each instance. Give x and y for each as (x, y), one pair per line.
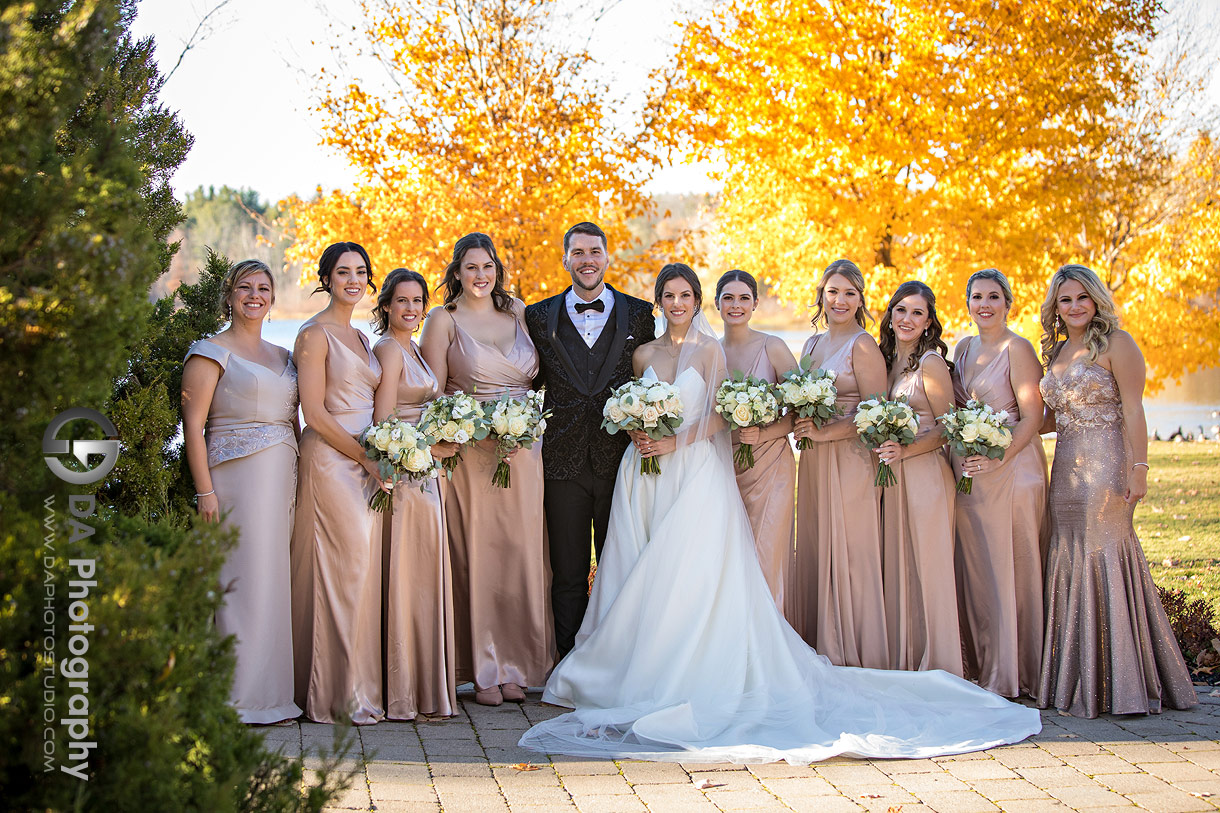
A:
(1109, 646)
(336, 544)
(1001, 523)
(917, 511)
(418, 606)
(477, 343)
(767, 488)
(836, 586)
(239, 418)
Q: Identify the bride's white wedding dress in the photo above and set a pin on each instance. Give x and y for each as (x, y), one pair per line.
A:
(684, 657)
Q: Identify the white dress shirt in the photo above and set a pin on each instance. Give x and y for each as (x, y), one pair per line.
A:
(590, 323)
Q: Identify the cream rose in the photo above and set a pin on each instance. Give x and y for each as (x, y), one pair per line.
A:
(742, 414)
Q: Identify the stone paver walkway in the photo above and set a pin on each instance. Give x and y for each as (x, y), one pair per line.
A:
(1164, 763)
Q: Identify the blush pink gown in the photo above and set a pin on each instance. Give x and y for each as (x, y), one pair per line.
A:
(768, 490)
(336, 556)
(920, 589)
(837, 602)
(501, 571)
(420, 670)
(1001, 529)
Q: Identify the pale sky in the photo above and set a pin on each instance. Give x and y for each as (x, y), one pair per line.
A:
(245, 90)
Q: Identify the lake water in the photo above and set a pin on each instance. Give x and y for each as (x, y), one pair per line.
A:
(1189, 403)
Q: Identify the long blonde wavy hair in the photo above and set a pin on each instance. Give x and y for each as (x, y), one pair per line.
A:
(1105, 320)
(851, 272)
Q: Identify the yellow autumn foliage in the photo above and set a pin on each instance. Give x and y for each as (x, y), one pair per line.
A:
(483, 123)
(926, 139)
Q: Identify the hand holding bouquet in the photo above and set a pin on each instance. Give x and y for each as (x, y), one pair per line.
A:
(810, 394)
(878, 421)
(745, 401)
(976, 429)
(456, 418)
(400, 450)
(516, 424)
(652, 407)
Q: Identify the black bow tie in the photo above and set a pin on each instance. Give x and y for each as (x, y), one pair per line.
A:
(595, 305)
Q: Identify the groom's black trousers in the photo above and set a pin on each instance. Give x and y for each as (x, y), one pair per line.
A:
(571, 506)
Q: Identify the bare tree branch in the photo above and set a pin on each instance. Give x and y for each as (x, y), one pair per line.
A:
(202, 32)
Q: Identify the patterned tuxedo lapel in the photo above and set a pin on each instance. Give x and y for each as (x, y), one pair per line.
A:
(621, 333)
(552, 334)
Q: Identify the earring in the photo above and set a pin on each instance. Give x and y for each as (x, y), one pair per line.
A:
(926, 331)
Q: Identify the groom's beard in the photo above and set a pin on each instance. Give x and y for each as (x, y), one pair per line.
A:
(580, 283)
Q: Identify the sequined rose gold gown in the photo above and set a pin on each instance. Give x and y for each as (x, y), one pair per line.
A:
(252, 456)
(1001, 529)
(837, 603)
(336, 556)
(768, 490)
(420, 670)
(917, 534)
(1109, 646)
(501, 572)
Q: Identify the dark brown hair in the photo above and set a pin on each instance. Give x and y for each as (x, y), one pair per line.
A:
(330, 258)
(452, 282)
(931, 338)
(736, 275)
(381, 311)
(673, 271)
(584, 228)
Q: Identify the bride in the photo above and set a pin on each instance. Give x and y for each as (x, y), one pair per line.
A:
(683, 656)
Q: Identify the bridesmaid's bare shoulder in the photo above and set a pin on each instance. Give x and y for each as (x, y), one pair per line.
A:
(388, 353)
(1021, 353)
(779, 354)
(960, 347)
(1122, 350)
(866, 344)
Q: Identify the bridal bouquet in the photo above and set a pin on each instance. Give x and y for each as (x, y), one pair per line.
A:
(401, 450)
(516, 423)
(878, 420)
(810, 394)
(654, 407)
(456, 418)
(976, 429)
(745, 401)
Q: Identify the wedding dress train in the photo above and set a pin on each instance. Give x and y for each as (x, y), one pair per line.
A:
(683, 655)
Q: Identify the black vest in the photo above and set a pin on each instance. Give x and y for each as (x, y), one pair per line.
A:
(588, 361)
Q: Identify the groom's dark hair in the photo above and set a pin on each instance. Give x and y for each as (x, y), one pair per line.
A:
(584, 228)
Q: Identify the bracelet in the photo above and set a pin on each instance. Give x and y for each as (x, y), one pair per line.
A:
(1145, 465)
(206, 493)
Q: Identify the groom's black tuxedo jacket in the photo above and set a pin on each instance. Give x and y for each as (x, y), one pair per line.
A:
(579, 378)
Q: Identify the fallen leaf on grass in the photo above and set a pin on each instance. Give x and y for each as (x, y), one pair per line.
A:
(705, 784)
(1184, 538)
(525, 766)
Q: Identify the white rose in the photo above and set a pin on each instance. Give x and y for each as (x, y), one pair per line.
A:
(499, 423)
(450, 432)
(395, 450)
(381, 438)
(741, 398)
(650, 416)
(969, 433)
(419, 459)
(633, 406)
(656, 394)
(742, 414)
(517, 425)
(615, 413)
(462, 436)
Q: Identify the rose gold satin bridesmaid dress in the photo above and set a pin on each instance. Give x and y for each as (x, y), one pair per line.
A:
(420, 670)
(501, 573)
(1001, 527)
(920, 589)
(768, 490)
(1109, 646)
(252, 456)
(836, 587)
(336, 556)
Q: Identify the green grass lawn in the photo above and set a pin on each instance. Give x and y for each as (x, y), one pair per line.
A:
(1178, 523)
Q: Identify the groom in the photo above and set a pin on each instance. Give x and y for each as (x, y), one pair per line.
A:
(585, 337)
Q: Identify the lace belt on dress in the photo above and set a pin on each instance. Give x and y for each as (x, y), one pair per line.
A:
(230, 444)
